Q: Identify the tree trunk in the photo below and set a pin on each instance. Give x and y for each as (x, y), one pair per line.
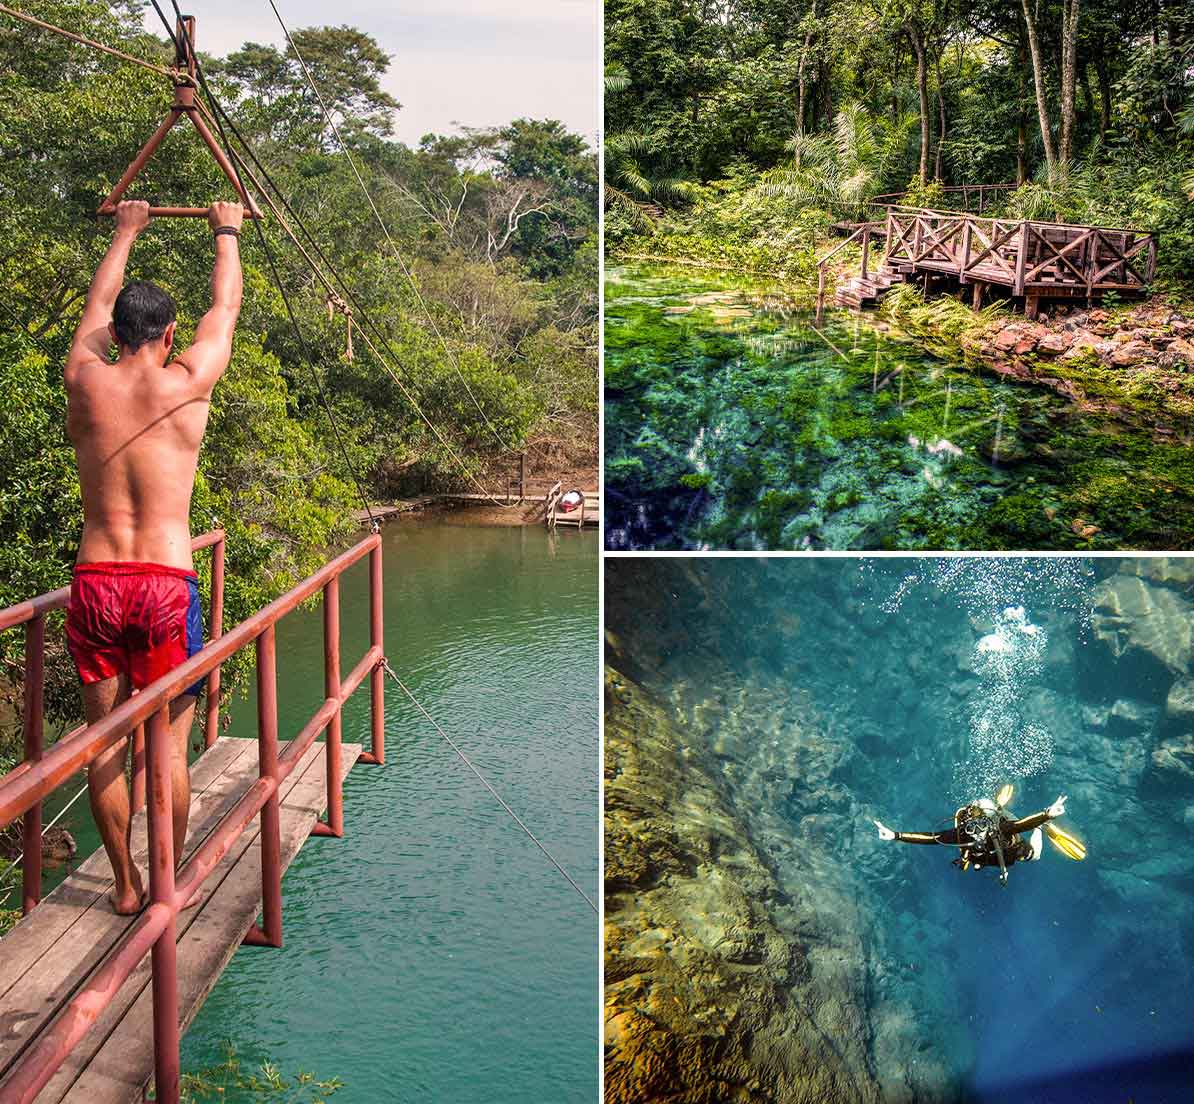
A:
(1069, 73)
(941, 115)
(808, 40)
(922, 91)
(1038, 76)
(1022, 119)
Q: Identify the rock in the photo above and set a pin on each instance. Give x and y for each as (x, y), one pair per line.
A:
(1083, 528)
(1006, 339)
(1180, 702)
(1147, 629)
(1131, 353)
(1175, 571)
(1025, 345)
(1162, 341)
(1183, 349)
(1054, 343)
(1099, 316)
(1173, 762)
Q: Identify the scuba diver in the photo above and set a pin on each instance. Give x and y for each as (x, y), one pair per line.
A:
(988, 834)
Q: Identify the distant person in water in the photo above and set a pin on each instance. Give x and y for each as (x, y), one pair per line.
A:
(136, 423)
(988, 834)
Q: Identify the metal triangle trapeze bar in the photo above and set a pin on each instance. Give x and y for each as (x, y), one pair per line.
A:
(184, 104)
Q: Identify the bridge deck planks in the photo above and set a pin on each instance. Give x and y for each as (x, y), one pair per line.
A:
(115, 1060)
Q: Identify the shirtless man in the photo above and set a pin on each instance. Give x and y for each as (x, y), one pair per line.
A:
(137, 424)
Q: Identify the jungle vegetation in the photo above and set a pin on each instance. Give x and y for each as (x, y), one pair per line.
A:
(754, 123)
(498, 227)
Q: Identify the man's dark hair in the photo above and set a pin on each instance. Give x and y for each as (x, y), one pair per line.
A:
(142, 313)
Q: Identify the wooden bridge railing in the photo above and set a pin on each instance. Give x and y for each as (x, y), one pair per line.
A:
(25, 787)
(1031, 257)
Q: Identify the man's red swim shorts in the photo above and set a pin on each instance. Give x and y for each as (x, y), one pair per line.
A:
(135, 619)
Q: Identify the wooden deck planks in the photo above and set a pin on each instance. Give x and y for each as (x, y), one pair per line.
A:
(43, 959)
(118, 1070)
(48, 955)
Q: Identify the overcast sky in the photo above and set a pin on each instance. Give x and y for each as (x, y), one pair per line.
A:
(471, 62)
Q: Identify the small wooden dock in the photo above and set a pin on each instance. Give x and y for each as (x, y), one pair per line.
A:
(45, 958)
(1033, 260)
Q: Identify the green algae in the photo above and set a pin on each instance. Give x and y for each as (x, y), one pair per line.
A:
(763, 430)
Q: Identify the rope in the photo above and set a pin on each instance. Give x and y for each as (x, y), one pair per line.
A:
(169, 73)
(468, 763)
(307, 353)
(385, 230)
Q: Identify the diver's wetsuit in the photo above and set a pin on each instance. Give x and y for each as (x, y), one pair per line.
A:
(980, 853)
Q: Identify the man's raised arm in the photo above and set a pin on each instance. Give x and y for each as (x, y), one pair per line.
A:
(92, 339)
(211, 350)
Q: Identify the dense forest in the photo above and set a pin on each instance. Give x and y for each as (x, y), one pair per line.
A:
(493, 337)
(738, 128)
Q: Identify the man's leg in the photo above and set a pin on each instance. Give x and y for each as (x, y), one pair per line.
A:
(109, 795)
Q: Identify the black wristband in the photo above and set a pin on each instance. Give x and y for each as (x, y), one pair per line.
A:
(225, 230)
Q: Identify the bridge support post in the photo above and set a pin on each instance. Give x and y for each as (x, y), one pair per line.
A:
(267, 742)
(976, 300)
(331, 689)
(820, 291)
(160, 817)
(1032, 305)
(32, 724)
(377, 638)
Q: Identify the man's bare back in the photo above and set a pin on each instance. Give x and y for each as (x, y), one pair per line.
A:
(137, 425)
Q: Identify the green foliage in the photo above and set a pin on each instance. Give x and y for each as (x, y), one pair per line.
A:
(493, 337)
(264, 1084)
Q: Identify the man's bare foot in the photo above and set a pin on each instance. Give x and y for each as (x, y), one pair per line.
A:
(196, 897)
(131, 902)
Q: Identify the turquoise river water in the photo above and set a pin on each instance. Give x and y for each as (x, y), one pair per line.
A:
(433, 954)
(734, 421)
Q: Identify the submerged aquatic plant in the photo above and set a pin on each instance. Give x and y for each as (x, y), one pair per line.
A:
(265, 1083)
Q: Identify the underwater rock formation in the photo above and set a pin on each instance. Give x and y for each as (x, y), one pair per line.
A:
(709, 990)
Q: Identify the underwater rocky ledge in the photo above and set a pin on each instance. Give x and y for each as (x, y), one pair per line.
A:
(761, 942)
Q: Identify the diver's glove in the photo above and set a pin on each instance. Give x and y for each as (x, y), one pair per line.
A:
(1057, 808)
(885, 833)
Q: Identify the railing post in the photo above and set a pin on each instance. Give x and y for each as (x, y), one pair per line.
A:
(866, 249)
(137, 786)
(267, 751)
(377, 686)
(331, 689)
(32, 726)
(161, 892)
(215, 631)
(1021, 259)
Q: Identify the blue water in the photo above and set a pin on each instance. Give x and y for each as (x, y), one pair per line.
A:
(1069, 986)
(433, 954)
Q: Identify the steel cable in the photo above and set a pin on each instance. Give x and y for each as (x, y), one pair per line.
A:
(484, 782)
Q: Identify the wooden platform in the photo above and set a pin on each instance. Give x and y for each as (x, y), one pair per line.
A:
(48, 954)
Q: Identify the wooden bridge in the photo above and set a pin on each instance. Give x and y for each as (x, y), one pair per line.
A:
(92, 1004)
(1033, 259)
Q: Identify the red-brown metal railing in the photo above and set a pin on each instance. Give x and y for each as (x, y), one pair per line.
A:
(24, 788)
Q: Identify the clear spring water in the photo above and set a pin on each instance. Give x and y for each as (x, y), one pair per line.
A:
(1069, 986)
(732, 421)
(432, 954)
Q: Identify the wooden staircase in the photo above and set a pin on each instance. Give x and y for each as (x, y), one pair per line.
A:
(868, 291)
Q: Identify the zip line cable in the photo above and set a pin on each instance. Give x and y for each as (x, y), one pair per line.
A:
(385, 230)
(344, 287)
(24, 17)
(468, 763)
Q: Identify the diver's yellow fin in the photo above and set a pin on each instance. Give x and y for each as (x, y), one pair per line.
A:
(1068, 845)
(1004, 796)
